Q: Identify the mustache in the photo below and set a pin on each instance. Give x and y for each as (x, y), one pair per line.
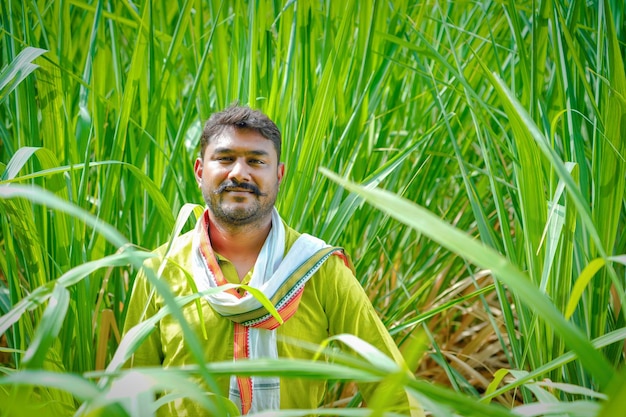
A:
(241, 185)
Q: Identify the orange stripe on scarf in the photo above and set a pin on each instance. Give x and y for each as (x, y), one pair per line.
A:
(211, 260)
(242, 348)
(241, 351)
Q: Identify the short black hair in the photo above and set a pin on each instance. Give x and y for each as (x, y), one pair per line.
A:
(240, 117)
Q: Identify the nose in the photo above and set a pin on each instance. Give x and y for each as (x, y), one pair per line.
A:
(239, 171)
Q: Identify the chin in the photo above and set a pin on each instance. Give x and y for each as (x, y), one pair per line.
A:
(238, 216)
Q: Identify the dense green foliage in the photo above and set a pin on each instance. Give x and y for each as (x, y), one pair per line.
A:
(488, 140)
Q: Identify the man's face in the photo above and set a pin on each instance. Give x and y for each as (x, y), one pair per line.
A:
(239, 177)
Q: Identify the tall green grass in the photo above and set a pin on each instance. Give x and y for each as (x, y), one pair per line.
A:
(495, 253)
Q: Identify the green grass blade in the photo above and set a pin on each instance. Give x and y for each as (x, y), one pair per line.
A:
(20, 68)
(521, 119)
(48, 328)
(40, 196)
(42, 294)
(78, 386)
(581, 283)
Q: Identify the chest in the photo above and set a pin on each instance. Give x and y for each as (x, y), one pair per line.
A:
(309, 325)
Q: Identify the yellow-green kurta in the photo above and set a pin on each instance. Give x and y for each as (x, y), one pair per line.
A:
(333, 302)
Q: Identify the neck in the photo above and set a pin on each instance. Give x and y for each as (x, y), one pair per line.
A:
(239, 242)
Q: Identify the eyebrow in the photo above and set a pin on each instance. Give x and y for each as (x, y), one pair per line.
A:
(230, 151)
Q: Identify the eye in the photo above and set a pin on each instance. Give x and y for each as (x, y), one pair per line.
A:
(256, 162)
(224, 159)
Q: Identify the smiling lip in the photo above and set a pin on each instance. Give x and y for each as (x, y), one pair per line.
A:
(239, 190)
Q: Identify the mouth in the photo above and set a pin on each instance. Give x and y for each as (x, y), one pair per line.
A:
(239, 190)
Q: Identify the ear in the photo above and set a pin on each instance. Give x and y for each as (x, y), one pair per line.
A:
(281, 172)
(197, 170)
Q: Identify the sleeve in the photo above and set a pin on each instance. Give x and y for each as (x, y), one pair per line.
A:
(349, 310)
(142, 305)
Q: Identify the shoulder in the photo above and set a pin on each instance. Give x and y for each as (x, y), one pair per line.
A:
(335, 273)
(338, 264)
(180, 246)
(176, 254)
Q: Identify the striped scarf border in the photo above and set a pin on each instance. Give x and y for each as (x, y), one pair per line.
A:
(289, 301)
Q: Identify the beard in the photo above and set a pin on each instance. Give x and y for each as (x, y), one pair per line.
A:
(240, 211)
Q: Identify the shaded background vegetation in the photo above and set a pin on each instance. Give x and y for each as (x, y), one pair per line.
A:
(503, 119)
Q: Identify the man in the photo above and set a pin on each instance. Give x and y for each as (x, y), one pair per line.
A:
(242, 239)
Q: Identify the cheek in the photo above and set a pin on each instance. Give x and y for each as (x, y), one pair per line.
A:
(212, 175)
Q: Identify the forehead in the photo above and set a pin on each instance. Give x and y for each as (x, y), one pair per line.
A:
(241, 141)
